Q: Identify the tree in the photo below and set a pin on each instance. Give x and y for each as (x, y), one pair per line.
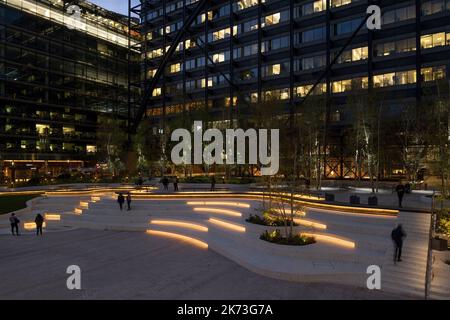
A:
(111, 137)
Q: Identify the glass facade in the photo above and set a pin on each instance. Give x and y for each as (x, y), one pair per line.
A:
(55, 80)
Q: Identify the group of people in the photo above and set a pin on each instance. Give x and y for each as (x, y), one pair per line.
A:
(165, 183)
(121, 200)
(15, 222)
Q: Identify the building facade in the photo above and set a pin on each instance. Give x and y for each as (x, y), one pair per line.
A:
(62, 65)
(255, 51)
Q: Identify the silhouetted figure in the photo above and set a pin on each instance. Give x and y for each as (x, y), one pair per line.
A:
(165, 182)
(128, 201)
(213, 183)
(121, 200)
(397, 235)
(14, 224)
(175, 184)
(400, 188)
(39, 223)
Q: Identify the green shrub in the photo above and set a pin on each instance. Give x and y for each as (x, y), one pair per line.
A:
(256, 220)
(296, 240)
(443, 225)
(268, 219)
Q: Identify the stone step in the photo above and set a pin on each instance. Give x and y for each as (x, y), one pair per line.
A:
(403, 288)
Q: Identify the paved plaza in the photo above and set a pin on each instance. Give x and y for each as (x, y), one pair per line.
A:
(132, 265)
(197, 245)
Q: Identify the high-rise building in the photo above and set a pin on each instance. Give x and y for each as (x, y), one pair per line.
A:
(62, 65)
(241, 52)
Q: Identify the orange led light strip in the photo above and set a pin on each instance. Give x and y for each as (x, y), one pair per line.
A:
(177, 236)
(220, 211)
(218, 203)
(228, 225)
(182, 224)
(331, 239)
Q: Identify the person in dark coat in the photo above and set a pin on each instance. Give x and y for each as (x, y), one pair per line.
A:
(129, 201)
(175, 184)
(14, 224)
(165, 182)
(213, 183)
(120, 200)
(397, 235)
(400, 189)
(39, 223)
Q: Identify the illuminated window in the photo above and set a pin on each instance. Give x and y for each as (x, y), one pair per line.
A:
(156, 92)
(271, 70)
(313, 7)
(91, 149)
(394, 78)
(349, 84)
(278, 94)
(176, 67)
(435, 40)
(303, 90)
(229, 102)
(219, 34)
(271, 19)
(244, 4)
(433, 73)
(43, 129)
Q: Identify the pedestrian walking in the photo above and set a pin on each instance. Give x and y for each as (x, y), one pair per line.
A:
(400, 188)
(120, 200)
(175, 184)
(213, 183)
(128, 201)
(14, 224)
(39, 223)
(397, 235)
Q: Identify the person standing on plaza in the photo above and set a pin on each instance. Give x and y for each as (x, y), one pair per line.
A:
(39, 223)
(14, 224)
(397, 235)
(213, 183)
(128, 201)
(175, 184)
(400, 189)
(120, 200)
(165, 182)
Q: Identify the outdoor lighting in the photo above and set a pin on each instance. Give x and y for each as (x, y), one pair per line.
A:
(172, 235)
(331, 239)
(78, 211)
(218, 203)
(95, 198)
(180, 224)
(309, 223)
(220, 211)
(228, 225)
(84, 204)
(52, 217)
(32, 225)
